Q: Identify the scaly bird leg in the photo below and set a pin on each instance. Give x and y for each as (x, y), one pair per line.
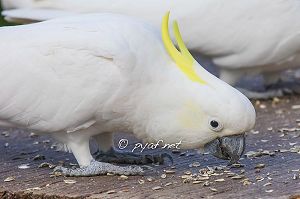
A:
(100, 168)
(107, 153)
(79, 145)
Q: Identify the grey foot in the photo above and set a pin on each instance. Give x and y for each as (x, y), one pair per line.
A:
(100, 168)
(131, 158)
(263, 95)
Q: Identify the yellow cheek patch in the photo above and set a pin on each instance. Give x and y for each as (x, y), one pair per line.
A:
(190, 116)
(183, 58)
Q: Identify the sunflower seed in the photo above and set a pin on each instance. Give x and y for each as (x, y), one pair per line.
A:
(269, 191)
(9, 179)
(259, 166)
(150, 179)
(197, 182)
(267, 184)
(34, 189)
(213, 189)
(24, 166)
(168, 184)
(70, 181)
(169, 171)
(141, 181)
(123, 177)
(156, 188)
(237, 177)
(163, 176)
(111, 192)
(220, 180)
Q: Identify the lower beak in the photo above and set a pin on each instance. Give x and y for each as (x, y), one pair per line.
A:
(228, 148)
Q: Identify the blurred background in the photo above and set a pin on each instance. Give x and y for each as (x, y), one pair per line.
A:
(2, 21)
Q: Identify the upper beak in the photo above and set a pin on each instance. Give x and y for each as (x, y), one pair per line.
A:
(228, 148)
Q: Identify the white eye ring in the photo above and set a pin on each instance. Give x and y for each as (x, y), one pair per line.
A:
(215, 125)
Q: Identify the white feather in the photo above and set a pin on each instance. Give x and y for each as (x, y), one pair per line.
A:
(85, 75)
(242, 37)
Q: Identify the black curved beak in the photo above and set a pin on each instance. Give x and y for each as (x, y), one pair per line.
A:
(228, 148)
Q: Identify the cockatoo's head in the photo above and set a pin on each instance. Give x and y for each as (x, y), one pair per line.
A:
(196, 107)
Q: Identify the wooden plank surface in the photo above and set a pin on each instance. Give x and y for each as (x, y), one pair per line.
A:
(276, 131)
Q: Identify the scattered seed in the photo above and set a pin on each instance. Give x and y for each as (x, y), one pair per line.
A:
(237, 165)
(276, 100)
(220, 180)
(70, 181)
(34, 189)
(185, 176)
(170, 171)
(295, 177)
(55, 174)
(202, 178)
(246, 182)
(255, 132)
(150, 179)
(187, 180)
(237, 177)
(296, 107)
(24, 166)
(5, 133)
(156, 188)
(259, 153)
(262, 106)
(32, 135)
(195, 164)
(187, 173)
(259, 166)
(141, 181)
(213, 189)
(111, 192)
(259, 178)
(168, 184)
(267, 184)
(206, 184)
(197, 182)
(163, 176)
(123, 177)
(283, 150)
(47, 165)
(9, 179)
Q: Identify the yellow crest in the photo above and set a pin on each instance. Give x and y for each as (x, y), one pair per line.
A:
(182, 58)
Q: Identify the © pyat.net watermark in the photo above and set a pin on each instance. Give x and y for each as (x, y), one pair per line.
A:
(123, 144)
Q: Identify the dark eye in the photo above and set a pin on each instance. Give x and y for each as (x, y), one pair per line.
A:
(215, 125)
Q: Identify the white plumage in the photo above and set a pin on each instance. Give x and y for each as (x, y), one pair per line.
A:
(92, 75)
(242, 37)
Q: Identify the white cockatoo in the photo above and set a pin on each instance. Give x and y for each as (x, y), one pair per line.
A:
(242, 37)
(91, 75)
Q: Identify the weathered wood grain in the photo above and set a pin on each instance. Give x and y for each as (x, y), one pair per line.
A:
(281, 170)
